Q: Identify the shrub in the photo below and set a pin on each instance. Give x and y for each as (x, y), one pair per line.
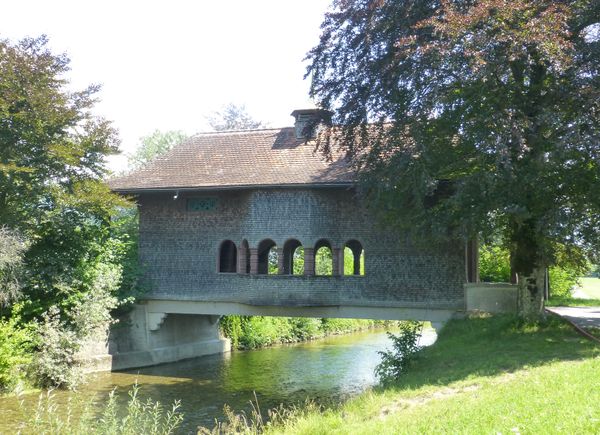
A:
(405, 347)
(54, 362)
(305, 328)
(563, 280)
(494, 264)
(15, 353)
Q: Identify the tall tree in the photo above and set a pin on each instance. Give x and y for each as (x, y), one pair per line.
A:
(52, 165)
(466, 117)
(154, 145)
(233, 117)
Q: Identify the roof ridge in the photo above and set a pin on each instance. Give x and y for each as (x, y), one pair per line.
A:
(224, 132)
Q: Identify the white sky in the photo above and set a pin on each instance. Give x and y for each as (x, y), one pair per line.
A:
(166, 65)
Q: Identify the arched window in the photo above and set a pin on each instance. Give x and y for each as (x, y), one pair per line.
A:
(267, 258)
(244, 257)
(323, 258)
(293, 258)
(227, 257)
(354, 258)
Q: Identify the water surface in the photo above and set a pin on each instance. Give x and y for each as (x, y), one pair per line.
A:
(326, 370)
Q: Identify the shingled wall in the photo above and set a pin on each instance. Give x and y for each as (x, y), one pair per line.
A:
(179, 249)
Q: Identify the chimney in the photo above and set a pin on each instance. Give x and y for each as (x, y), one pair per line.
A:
(308, 122)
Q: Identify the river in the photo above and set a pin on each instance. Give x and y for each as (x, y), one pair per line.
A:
(326, 370)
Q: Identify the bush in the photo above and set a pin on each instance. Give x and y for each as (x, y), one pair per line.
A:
(305, 328)
(563, 280)
(250, 332)
(405, 347)
(54, 362)
(15, 353)
(494, 264)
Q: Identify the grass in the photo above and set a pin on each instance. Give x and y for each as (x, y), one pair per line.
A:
(568, 301)
(589, 286)
(484, 375)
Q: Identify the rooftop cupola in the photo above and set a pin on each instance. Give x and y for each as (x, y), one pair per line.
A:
(308, 121)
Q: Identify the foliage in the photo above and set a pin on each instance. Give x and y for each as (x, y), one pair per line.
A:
(233, 117)
(323, 261)
(54, 363)
(155, 144)
(250, 332)
(15, 353)
(273, 261)
(121, 250)
(394, 363)
(52, 144)
(349, 262)
(563, 280)
(140, 417)
(255, 423)
(231, 327)
(494, 263)
(64, 238)
(470, 117)
(52, 165)
(298, 261)
(12, 248)
(305, 328)
(457, 387)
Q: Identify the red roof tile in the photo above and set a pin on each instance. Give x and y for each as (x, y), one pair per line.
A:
(272, 157)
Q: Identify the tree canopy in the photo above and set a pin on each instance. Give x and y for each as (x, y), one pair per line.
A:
(233, 117)
(469, 118)
(66, 256)
(53, 198)
(154, 145)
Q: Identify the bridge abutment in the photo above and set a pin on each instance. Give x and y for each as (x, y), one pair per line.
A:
(148, 338)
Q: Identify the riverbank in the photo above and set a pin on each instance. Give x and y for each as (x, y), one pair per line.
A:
(483, 375)
(328, 371)
(254, 332)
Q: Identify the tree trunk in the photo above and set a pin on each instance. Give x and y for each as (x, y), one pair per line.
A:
(531, 293)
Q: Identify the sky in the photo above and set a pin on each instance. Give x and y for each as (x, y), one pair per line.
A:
(167, 65)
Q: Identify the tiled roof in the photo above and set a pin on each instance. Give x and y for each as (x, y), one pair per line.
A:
(272, 157)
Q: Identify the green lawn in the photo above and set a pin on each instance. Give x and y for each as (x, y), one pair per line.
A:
(484, 375)
(591, 287)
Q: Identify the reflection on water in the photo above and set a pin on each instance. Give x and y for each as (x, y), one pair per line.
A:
(326, 370)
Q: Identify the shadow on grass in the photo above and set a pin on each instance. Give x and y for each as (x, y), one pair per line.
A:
(491, 346)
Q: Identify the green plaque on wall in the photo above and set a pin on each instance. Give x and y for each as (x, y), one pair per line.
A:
(201, 204)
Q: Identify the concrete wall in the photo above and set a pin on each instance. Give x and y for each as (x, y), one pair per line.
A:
(180, 248)
(491, 297)
(144, 338)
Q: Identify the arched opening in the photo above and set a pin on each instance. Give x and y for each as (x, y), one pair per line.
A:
(323, 258)
(293, 258)
(354, 258)
(267, 258)
(227, 257)
(244, 257)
